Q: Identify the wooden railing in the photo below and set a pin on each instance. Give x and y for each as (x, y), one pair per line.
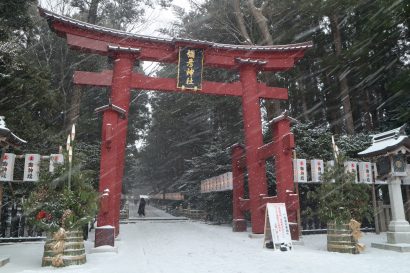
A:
(194, 214)
(384, 213)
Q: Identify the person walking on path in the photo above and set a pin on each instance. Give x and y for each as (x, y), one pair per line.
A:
(141, 207)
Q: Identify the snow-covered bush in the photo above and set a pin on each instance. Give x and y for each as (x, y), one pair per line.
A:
(339, 198)
(53, 205)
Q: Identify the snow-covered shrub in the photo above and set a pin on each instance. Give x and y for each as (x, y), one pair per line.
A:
(339, 198)
(53, 205)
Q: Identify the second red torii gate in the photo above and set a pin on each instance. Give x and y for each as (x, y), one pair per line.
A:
(126, 48)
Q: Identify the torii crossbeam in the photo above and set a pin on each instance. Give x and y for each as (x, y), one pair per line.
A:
(126, 48)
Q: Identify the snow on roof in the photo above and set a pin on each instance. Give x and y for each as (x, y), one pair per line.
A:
(284, 115)
(7, 137)
(67, 20)
(386, 142)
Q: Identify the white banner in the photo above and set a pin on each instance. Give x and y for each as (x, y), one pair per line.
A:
(317, 169)
(351, 166)
(31, 167)
(277, 224)
(55, 159)
(299, 170)
(365, 172)
(7, 167)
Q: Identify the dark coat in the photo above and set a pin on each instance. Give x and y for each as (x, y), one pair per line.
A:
(141, 207)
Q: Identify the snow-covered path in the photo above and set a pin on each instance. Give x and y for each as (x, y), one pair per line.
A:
(194, 247)
(150, 212)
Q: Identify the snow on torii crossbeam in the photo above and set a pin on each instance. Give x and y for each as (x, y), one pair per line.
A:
(126, 48)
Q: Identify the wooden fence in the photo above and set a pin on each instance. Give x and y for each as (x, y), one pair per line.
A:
(194, 214)
(14, 225)
(384, 213)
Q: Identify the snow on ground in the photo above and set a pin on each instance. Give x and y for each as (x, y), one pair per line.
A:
(195, 247)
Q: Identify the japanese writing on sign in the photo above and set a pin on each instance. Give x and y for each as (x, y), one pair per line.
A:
(7, 167)
(190, 68)
(31, 167)
(278, 222)
(365, 172)
(299, 169)
(223, 182)
(317, 169)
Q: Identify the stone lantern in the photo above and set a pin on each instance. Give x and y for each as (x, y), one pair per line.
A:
(390, 150)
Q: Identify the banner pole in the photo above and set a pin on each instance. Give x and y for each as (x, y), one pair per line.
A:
(297, 192)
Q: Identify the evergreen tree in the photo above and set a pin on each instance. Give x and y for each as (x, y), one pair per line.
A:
(342, 200)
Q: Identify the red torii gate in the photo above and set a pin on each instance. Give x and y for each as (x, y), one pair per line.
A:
(126, 48)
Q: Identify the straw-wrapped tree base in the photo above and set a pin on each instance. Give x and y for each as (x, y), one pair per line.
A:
(64, 248)
(344, 238)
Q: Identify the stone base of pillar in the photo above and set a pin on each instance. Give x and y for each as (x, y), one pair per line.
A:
(398, 237)
(239, 225)
(399, 232)
(104, 236)
(399, 226)
(393, 247)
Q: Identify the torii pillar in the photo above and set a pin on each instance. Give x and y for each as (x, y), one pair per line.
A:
(114, 131)
(253, 140)
(281, 149)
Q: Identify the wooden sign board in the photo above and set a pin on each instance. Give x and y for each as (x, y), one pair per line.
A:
(190, 65)
(277, 231)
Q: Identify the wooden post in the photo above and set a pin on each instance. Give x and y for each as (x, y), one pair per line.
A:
(238, 191)
(376, 215)
(382, 221)
(407, 204)
(298, 210)
(3, 151)
(1, 199)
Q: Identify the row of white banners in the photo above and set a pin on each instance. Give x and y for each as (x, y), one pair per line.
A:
(364, 172)
(168, 196)
(223, 182)
(31, 166)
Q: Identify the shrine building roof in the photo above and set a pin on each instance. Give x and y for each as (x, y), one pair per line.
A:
(7, 137)
(387, 142)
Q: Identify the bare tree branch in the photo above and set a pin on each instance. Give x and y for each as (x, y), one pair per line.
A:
(261, 21)
(241, 21)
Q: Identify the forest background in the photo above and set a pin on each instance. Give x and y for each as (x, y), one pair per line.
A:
(354, 82)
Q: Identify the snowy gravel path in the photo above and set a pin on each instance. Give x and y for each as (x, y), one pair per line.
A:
(193, 247)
